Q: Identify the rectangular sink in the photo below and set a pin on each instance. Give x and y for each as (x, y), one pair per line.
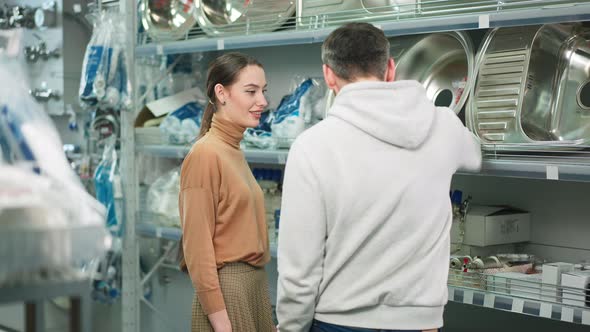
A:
(533, 86)
(555, 106)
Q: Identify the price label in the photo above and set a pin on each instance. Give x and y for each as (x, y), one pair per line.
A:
(552, 172)
(484, 21)
(282, 158)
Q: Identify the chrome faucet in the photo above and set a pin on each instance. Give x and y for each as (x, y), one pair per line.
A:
(39, 51)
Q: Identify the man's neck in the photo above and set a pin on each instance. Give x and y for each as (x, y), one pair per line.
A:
(340, 83)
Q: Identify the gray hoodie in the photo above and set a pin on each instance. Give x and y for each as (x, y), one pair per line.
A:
(366, 215)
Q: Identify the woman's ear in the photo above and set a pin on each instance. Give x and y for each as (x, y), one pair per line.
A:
(220, 93)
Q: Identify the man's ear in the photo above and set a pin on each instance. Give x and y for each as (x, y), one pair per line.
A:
(390, 73)
(330, 78)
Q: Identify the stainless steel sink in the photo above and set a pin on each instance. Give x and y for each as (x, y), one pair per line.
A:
(322, 13)
(166, 19)
(239, 17)
(319, 13)
(456, 7)
(442, 62)
(533, 87)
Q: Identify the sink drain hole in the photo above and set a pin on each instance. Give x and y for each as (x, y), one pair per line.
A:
(584, 96)
(444, 98)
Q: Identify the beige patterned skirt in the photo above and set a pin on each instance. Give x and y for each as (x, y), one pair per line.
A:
(246, 296)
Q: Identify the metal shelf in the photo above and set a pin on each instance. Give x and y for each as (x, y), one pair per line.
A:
(392, 25)
(173, 234)
(155, 231)
(516, 167)
(37, 287)
(543, 169)
(34, 289)
(532, 307)
(519, 293)
(257, 156)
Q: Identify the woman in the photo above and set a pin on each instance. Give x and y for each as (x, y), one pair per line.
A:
(225, 240)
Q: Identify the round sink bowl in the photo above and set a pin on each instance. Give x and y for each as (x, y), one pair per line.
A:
(167, 19)
(442, 62)
(239, 17)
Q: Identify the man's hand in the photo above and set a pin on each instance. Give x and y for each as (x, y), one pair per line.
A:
(220, 321)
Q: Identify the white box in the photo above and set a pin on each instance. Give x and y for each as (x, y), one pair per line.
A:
(492, 225)
(580, 280)
(552, 273)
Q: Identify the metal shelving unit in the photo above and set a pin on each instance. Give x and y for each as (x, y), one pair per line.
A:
(519, 305)
(35, 289)
(257, 156)
(173, 234)
(520, 296)
(394, 24)
(530, 168)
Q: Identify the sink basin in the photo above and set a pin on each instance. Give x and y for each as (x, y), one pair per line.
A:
(166, 19)
(442, 62)
(457, 7)
(533, 86)
(239, 17)
(318, 13)
(322, 13)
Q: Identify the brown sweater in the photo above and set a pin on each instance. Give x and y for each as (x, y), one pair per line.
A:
(221, 211)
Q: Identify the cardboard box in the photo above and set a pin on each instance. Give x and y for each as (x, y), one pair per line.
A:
(493, 225)
(552, 273)
(581, 281)
(161, 107)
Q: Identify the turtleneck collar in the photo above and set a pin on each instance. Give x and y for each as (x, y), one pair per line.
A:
(227, 131)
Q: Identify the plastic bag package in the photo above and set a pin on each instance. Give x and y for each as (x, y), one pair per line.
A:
(298, 111)
(162, 76)
(104, 82)
(261, 137)
(151, 167)
(162, 198)
(106, 176)
(47, 219)
(313, 103)
(182, 126)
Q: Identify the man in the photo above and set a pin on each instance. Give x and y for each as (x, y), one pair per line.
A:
(366, 214)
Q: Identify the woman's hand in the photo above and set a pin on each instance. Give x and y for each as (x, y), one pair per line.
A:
(220, 321)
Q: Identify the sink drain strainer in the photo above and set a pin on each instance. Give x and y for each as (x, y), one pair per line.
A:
(584, 96)
(444, 98)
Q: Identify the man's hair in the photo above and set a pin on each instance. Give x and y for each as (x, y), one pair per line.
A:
(356, 50)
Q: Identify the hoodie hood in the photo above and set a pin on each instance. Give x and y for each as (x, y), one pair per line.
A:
(398, 113)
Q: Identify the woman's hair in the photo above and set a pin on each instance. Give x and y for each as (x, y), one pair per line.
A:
(223, 70)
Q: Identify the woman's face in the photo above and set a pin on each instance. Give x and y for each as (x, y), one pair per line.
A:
(244, 100)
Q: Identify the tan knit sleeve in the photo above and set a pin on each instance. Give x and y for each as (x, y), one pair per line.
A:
(199, 185)
(198, 227)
